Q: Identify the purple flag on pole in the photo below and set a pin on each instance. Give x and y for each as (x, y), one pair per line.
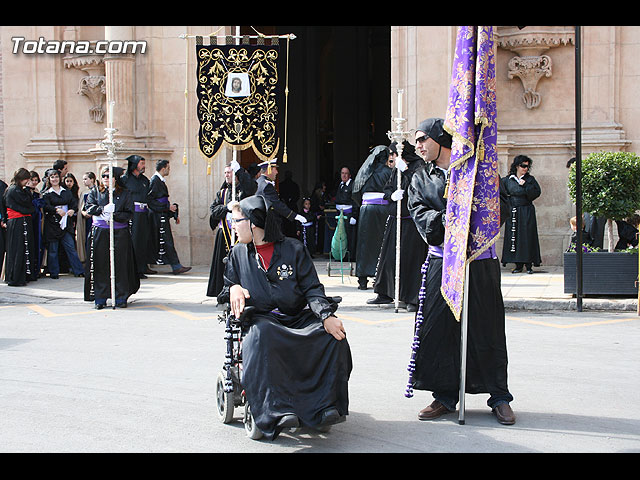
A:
(473, 196)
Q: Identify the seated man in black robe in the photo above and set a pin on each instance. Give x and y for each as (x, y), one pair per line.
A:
(305, 380)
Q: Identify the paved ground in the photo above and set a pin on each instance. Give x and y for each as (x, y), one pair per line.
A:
(141, 379)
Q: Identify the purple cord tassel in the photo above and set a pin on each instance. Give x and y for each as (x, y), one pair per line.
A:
(416, 337)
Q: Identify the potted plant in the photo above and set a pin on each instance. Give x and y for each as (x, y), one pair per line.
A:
(610, 189)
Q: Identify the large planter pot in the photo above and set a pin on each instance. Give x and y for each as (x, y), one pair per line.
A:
(603, 273)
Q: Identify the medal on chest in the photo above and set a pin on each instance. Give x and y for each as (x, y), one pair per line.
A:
(284, 271)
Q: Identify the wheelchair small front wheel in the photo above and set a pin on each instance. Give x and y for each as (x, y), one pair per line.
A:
(250, 427)
(224, 400)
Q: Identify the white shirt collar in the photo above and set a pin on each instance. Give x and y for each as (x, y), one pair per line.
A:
(157, 174)
(52, 190)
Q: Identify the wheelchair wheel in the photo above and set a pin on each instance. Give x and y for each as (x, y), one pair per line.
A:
(253, 432)
(224, 400)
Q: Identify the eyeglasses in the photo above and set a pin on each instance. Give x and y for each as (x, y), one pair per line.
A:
(524, 165)
(238, 220)
(421, 139)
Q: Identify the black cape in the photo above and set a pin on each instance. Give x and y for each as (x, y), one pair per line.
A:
(521, 243)
(372, 218)
(291, 364)
(97, 279)
(437, 356)
(245, 187)
(140, 224)
(22, 258)
(163, 251)
(413, 249)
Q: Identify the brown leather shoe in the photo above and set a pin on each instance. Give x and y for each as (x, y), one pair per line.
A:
(504, 414)
(435, 410)
(181, 270)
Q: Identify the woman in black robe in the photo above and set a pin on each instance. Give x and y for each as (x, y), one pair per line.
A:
(36, 220)
(97, 284)
(519, 189)
(21, 256)
(413, 250)
(296, 359)
(59, 229)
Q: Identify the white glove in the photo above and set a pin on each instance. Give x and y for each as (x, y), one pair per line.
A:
(234, 165)
(397, 195)
(352, 221)
(109, 208)
(301, 219)
(401, 164)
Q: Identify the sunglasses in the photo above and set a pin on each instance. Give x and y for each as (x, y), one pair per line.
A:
(421, 139)
(523, 165)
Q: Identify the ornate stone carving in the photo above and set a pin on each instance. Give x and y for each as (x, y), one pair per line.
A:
(530, 70)
(530, 65)
(93, 86)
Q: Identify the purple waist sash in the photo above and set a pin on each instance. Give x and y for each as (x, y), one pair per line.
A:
(98, 222)
(375, 201)
(488, 253)
(163, 199)
(140, 207)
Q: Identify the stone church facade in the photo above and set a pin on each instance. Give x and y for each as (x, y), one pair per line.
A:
(54, 106)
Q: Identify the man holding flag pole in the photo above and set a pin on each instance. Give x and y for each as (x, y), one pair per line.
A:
(459, 345)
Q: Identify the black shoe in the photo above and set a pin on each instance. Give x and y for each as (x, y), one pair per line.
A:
(100, 306)
(412, 307)
(517, 270)
(55, 277)
(142, 276)
(530, 271)
(78, 274)
(121, 305)
(330, 416)
(148, 271)
(288, 421)
(380, 300)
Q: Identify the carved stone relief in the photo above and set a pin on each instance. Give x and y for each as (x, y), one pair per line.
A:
(93, 85)
(530, 64)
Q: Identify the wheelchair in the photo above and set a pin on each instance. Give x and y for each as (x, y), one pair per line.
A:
(229, 391)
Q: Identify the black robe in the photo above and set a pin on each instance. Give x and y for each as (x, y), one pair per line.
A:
(521, 243)
(290, 363)
(97, 278)
(437, 356)
(245, 187)
(372, 220)
(52, 200)
(21, 262)
(413, 250)
(163, 251)
(140, 224)
(3, 221)
(285, 216)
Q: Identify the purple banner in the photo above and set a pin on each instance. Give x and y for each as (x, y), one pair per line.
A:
(473, 198)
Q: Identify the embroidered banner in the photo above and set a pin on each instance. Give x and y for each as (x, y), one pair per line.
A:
(473, 202)
(238, 96)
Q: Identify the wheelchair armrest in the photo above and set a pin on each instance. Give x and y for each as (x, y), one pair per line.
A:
(246, 314)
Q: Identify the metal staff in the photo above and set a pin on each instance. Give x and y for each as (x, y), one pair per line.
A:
(398, 136)
(110, 144)
(463, 343)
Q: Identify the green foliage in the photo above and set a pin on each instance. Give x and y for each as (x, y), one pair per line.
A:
(610, 184)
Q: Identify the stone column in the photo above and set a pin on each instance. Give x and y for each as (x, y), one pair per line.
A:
(119, 70)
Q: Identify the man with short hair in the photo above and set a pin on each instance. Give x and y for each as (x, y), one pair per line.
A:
(161, 211)
(137, 183)
(437, 355)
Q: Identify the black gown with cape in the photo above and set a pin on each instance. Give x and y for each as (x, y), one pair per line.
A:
(291, 364)
(521, 243)
(21, 253)
(97, 279)
(413, 250)
(437, 356)
(245, 187)
(140, 224)
(163, 251)
(372, 219)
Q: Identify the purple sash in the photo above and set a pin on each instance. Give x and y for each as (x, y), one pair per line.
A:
(139, 207)
(100, 223)
(163, 199)
(375, 201)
